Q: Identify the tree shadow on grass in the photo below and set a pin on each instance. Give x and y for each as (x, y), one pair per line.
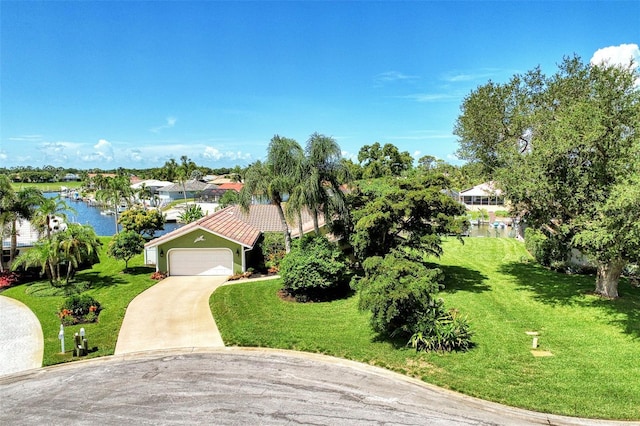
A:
(555, 288)
(457, 278)
(98, 280)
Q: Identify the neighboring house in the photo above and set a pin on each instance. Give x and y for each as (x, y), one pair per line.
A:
(235, 186)
(213, 193)
(222, 243)
(484, 196)
(71, 177)
(176, 191)
(26, 236)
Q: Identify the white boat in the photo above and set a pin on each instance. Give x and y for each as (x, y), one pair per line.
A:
(107, 212)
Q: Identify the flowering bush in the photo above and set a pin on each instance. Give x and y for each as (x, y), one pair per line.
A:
(7, 279)
(79, 309)
(158, 275)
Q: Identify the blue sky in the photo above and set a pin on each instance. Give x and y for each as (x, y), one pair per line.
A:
(133, 83)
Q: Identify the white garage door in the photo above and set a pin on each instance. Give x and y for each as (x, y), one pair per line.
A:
(200, 262)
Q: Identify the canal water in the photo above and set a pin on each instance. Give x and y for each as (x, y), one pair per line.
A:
(104, 225)
(488, 230)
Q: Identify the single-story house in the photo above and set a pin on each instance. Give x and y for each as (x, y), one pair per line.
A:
(176, 191)
(71, 177)
(221, 243)
(231, 186)
(484, 196)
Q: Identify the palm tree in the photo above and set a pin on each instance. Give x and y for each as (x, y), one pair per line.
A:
(24, 207)
(14, 208)
(319, 187)
(186, 170)
(48, 209)
(116, 190)
(77, 244)
(43, 254)
(275, 178)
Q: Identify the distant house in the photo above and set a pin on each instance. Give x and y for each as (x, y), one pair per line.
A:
(152, 185)
(222, 243)
(212, 194)
(71, 177)
(235, 186)
(176, 191)
(484, 196)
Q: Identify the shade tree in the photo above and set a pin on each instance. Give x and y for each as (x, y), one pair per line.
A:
(564, 148)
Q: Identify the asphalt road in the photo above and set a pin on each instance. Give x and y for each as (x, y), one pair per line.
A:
(232, 386)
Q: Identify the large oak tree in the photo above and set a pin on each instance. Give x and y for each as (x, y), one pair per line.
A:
(566, 150)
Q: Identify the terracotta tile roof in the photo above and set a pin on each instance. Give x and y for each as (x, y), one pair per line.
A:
(240, 226)
(265, 217)
(236, 186)
(223, 223)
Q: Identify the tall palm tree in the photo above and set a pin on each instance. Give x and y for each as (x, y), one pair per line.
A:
(14, 208)
(275, 178)
(48, 209)
(320, 185)
(115, 191)
(7, 195)
(185, 172)
(24, 207)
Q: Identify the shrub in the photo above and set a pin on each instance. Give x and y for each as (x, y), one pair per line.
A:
(447, 332)
(8, 278)
(79, 308)
(401, 294)
(273, 250)
(315, 268)
(157, 276)
(549, 251)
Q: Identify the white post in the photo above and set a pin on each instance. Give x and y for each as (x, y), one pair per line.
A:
(61, 337)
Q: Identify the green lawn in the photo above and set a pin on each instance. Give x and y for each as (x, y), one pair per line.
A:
(47, 186)
(114, 290)
(594, 370)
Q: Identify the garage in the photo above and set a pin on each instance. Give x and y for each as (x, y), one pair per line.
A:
(201, 261)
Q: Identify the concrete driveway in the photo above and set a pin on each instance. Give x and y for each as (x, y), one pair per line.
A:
(174, 313)
(232, 386)
(21, 340)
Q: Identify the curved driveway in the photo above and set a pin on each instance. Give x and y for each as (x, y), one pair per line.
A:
(174, 313)
(232, 386)
(21, 340)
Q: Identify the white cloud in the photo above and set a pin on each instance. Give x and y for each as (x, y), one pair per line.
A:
(26, 138)
(393, 76)
(432, 97)
(135, 155)
(3, 155)
(215, 154)
(103, 151)
(212, 153)
(617, 55)
(464, 77)
(169, 123)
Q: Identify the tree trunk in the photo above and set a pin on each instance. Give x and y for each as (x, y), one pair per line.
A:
(13, 246)
(285, 226)
(300, 228)
(316, 226)
(608, 278)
